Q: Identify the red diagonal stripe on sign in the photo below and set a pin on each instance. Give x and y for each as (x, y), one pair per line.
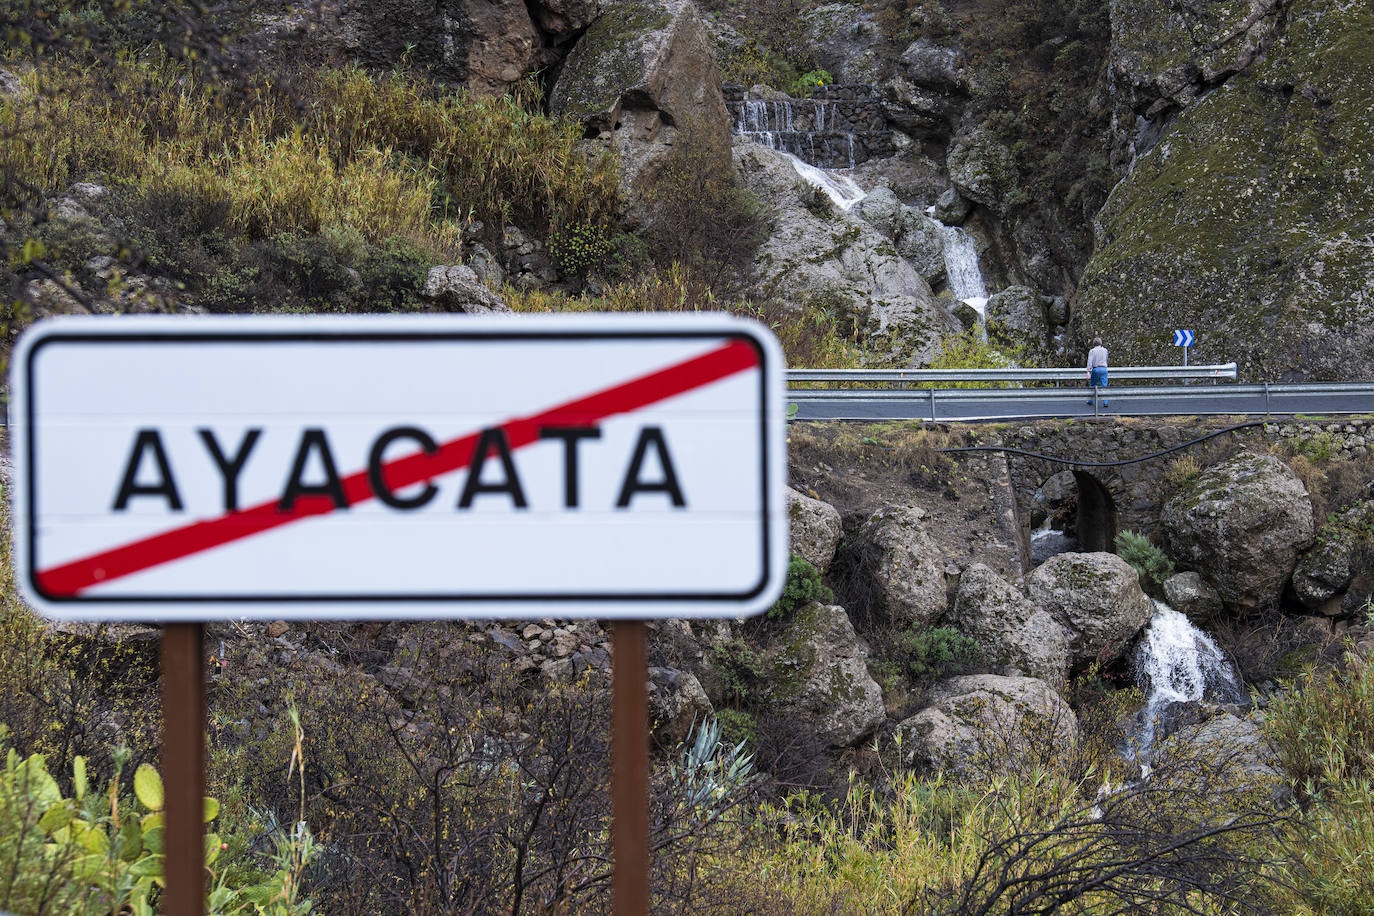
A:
(70, 579)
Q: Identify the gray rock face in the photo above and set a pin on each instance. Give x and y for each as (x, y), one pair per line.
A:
(907, 567)
(455, 288)
(642, 71)
(1097, 598)
(951, 208)
(839, 258)
(818, 670)
(1281, 278)
(1164, 55)
(915, 235)
(1241, 524)
(814, 527)
(1234, 750)
(1013, 634)
(1186, 593)
(983, 169)
(927, 64)
(484, 45)
(676, 702)
(1017, 313)
(978, 724)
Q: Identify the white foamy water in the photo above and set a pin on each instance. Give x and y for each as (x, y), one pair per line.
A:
(962, 273)
(1047, 542)
(842, 189)
(1178, 663)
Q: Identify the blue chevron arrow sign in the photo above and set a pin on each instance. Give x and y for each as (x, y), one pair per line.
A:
(1183, 338)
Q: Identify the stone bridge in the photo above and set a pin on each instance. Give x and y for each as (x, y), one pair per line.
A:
(1097, 501)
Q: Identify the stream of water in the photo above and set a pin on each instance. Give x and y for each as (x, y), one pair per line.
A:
(1177, 663)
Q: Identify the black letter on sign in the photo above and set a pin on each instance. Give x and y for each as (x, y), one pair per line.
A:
(128, 487)
(296, 487)
(570, 436)
(647, 436)
(378, 480)
(229, 468)
(473, 485)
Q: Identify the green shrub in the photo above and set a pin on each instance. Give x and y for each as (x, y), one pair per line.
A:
(808, 81)
(740, 669)
(803, 586)
(102, 852)
(927, 655)
(580, 249)
(1146, 559)
(971, 349)
(1323, 729)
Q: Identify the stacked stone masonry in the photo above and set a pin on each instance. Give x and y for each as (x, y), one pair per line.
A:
(837, 127)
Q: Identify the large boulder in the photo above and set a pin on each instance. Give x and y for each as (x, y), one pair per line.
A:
(814, 527)
(983, 169)
(1336, 558)
(1241, 524)
(642, 72)
(455, 288)
(1252, 219)
(1096, 598)
(1224, 750)
(817, 670)
(677, 703)
(1014, 635)
(907, 568)
(1186, 593)
(821, 253)
(1017, 315)
(979, 724)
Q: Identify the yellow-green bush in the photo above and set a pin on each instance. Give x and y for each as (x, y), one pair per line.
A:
(811, 336)
(389, 156)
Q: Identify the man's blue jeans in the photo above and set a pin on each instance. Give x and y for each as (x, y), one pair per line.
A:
(1098, 377)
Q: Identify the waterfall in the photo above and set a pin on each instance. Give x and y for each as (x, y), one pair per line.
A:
(809, 129)
(1178, 663)
(1047, 542)
(964, 276)
(842, 189)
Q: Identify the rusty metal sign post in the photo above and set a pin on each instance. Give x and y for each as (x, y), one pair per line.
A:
(183, 768)
(616, 467)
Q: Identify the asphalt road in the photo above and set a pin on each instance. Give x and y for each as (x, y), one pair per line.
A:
(1134, 401)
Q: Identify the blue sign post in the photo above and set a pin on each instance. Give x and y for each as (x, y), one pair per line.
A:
(1183, 339)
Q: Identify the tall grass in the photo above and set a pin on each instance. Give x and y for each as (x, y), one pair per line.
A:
(810, 336)
(389, 156)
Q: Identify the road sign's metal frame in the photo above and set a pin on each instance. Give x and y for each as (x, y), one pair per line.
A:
(183, 674)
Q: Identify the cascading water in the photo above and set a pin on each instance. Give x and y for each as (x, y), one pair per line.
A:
(1047, 542)
(842, 189)
(962, 273)
(808, 129)
(1178, 663)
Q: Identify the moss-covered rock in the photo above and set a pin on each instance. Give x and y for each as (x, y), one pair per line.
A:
(817, 670)
(1096, 598)
(1241, 524)
(640, 73)
(1252, 220)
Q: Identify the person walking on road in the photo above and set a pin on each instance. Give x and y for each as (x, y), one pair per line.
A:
(1097, 366)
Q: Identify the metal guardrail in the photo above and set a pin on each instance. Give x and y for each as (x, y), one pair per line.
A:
(1221, 371)
(1251, 399)
(1025, 394)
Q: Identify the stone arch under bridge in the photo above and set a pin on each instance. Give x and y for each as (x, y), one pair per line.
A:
(1109, 499)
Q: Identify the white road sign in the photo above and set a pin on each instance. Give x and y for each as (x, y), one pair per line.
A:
(432, 466)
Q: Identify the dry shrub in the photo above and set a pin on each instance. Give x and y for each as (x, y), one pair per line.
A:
(449, 785)
(1275, 645)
